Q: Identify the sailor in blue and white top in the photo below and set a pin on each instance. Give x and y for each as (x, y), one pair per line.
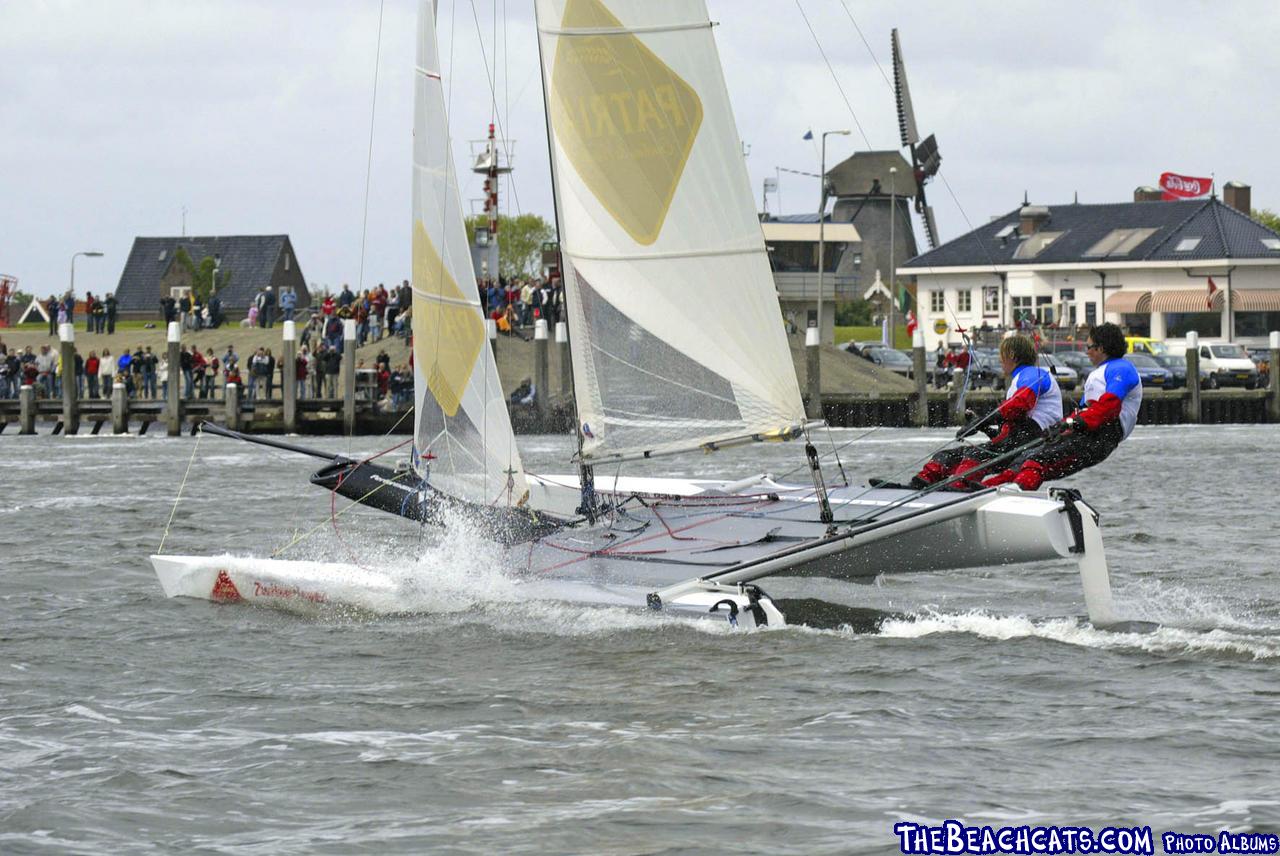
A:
(1031, 405)
(1112, 397)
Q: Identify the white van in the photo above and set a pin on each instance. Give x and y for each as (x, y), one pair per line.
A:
(1227, 365)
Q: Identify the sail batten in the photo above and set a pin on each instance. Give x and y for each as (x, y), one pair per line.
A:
(673, 313)
(462, 433)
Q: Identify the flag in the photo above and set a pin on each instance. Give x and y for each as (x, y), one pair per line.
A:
(1212, 288)
(808, 135)
(911, 323)
(1183, 186)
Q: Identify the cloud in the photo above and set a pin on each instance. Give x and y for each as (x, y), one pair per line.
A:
(255, 117)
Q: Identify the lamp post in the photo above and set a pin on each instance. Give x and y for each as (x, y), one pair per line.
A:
(822, 216)
(91, 254)
(893, 273)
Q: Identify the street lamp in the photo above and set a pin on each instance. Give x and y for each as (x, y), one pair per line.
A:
(91, 254)
(822, 216)
(893, 273)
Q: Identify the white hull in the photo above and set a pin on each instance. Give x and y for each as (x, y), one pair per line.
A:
(703, 558)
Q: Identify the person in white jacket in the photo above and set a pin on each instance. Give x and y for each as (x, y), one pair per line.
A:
(106, 371)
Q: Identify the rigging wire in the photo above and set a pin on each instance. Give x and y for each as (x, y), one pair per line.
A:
(181, 488)
(502, 131)
(865, 139)
(368, 170)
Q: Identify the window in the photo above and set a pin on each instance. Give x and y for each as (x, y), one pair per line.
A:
(1119, 242)
(1271, 243)
(991, 300)
(1181, 323)
(1065, 294)
(1035, 244)
(1186, 245)
(164, 254)
(937, 302)
(964, 301)
(1006, 231)
(1256, 323)
(286, 261)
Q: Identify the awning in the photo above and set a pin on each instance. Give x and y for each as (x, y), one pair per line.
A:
(1255, 300)
(1129, 302)
(1185, 300)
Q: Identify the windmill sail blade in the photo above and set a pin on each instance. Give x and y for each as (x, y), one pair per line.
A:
(906, 115)
(930, 227)
(677, 337)
(461, 419)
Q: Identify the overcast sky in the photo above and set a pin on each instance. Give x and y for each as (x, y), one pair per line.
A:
(255, 116)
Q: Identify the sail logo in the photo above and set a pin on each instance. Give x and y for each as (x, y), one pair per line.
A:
(224, 590)
(624, 118)
(447, 330)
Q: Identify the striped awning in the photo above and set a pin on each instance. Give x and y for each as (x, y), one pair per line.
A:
(1255, 300)
(1129, 302)
(1185, 300)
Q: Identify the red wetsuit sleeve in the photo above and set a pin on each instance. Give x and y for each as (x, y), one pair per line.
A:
(1018, 405)
(1100, 412)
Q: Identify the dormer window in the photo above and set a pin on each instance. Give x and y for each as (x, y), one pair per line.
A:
(1186, 245)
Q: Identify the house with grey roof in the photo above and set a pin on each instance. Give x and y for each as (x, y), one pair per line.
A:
(245, 263)
(1147, 265)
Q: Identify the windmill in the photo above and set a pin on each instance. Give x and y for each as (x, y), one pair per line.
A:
(925, 159)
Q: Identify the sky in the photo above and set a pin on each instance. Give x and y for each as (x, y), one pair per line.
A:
(258, 117)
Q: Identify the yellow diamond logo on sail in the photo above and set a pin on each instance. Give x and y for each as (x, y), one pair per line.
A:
(624, 118)
(448, 332)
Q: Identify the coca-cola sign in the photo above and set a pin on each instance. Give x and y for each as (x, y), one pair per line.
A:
(1183, 186)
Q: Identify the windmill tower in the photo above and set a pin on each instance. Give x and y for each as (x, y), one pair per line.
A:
(876, 191)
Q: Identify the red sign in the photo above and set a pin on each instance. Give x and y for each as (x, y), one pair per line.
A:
(1184, 186)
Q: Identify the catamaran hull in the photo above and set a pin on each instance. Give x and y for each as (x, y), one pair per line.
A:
(688, 547)
(315, 588)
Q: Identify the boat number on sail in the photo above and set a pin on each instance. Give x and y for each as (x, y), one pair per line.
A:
(624, 118)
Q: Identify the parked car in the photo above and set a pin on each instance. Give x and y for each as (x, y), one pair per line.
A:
(1066, 376)
(860, 347)
(1077, 360)
(888, 358)
(1142, 345)
(987, 370)
(1177, 366)
(1151, 372)
(1228, 365)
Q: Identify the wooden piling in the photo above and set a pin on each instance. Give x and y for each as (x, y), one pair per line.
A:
(289, 377)
(173, 398)
(813, 372)
(541, 369)
(231, 393)
(1193, 412)
(70, 402)
(27, 413)
(1273, 393)
(920, 417)
(566, 360)
(349, 376)
(119, 409)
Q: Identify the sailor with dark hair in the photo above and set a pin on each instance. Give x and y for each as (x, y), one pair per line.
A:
(1032, 404)
(1112, 396)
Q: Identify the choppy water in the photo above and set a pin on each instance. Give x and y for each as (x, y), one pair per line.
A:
(478, 724)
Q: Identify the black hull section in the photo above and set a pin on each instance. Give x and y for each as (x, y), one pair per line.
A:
(401, 493)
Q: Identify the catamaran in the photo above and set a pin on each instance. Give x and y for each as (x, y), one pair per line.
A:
(677, 345)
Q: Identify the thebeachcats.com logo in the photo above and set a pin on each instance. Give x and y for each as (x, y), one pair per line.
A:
(953, 836)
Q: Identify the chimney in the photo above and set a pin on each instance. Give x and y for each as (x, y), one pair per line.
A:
(1237, 194)
(1031, 218)
(1146, 193)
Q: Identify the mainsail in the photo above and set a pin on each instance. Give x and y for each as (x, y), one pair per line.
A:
(676, 334)
(462, 434)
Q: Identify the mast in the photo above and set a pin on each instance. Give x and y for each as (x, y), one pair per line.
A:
(586, 473)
